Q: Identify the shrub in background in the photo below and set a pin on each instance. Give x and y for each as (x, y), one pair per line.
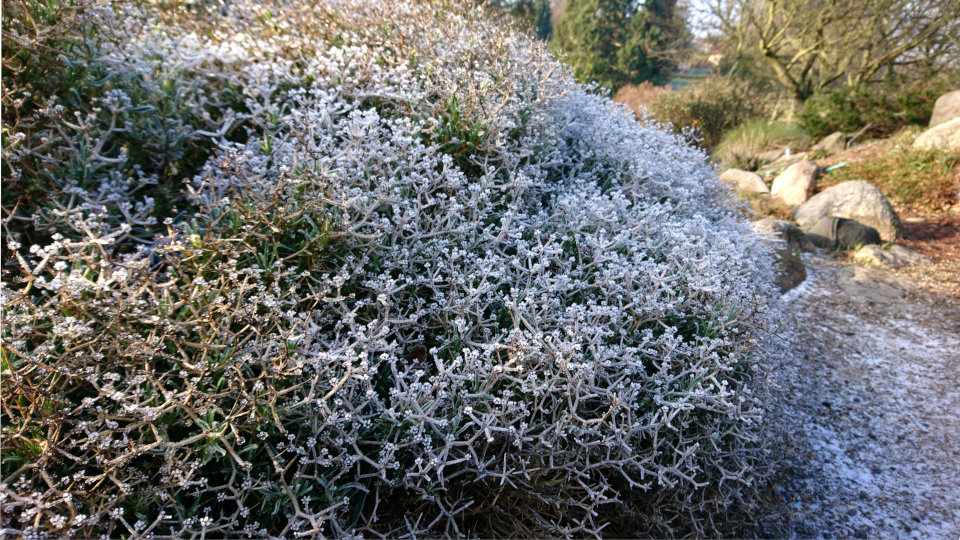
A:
(712, 106)
(406, 277)
(639, 96)
(886, 107)
(532, 14)
(743, 147)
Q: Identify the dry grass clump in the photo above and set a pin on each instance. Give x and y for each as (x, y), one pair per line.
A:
(713, 106)
(347, 269)
(743, 147)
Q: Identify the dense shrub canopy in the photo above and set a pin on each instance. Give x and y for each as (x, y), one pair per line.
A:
(880, 109)
(714, 106)
(308, 269)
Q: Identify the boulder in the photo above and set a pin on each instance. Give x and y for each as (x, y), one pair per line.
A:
(796, 184)
(895, 257)
(833, 233)
(745, 180)
(790, 270)
(786, 232)
(834, 143)
(946, 108)
(873, 285)
(789, 241)
(858, 200)
(945, 135)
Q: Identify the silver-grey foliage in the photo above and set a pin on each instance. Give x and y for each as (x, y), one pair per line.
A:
(439, 289)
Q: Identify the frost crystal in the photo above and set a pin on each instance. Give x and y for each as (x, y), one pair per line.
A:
(421, 276)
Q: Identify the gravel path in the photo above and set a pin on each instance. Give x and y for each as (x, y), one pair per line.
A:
(871, 409)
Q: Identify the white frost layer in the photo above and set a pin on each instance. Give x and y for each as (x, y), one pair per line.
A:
(875, 409)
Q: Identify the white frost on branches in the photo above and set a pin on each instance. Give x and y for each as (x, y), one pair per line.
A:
(436, 273)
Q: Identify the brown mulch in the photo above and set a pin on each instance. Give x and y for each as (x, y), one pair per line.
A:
(861, 152)
(937, 237)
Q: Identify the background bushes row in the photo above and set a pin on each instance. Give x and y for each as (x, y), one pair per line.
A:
(885, 107)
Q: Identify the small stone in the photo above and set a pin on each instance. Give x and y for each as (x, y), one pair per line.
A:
(834, 143)
(789, 239)
(946, 108)
(895, 257)
(791, 271)
(787, 232)
(945, 135)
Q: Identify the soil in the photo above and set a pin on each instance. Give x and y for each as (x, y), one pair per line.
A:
(868, 430)
(868, 419)
(937, 237)
(867, 422)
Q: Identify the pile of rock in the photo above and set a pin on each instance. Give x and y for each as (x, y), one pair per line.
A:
(850, 215)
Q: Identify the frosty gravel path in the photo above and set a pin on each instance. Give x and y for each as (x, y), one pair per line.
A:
(871, 409)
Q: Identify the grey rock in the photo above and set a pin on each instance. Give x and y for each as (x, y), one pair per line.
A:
(872, 285)
(945, 135)
(795, 185)
(895, 257)
(791, 271)
(745, 180)
(788, 240)
(858, 200)
(833, 233)
(834, 143)
(946, 108)
(786, 232)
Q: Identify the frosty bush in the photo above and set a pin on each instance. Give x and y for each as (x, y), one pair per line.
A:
(416, 282)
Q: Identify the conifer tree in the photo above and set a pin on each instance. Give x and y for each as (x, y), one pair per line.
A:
(540, 16)
(615, 43)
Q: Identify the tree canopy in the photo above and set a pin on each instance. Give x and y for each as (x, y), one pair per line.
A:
(613, 42)
(807, 45)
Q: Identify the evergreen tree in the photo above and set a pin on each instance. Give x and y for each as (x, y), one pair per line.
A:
(533, 13)
(540, 17)
(614, 43)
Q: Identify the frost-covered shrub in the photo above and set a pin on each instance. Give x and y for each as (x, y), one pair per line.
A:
(423, 283)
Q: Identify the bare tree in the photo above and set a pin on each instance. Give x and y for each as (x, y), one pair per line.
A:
(806, 45)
